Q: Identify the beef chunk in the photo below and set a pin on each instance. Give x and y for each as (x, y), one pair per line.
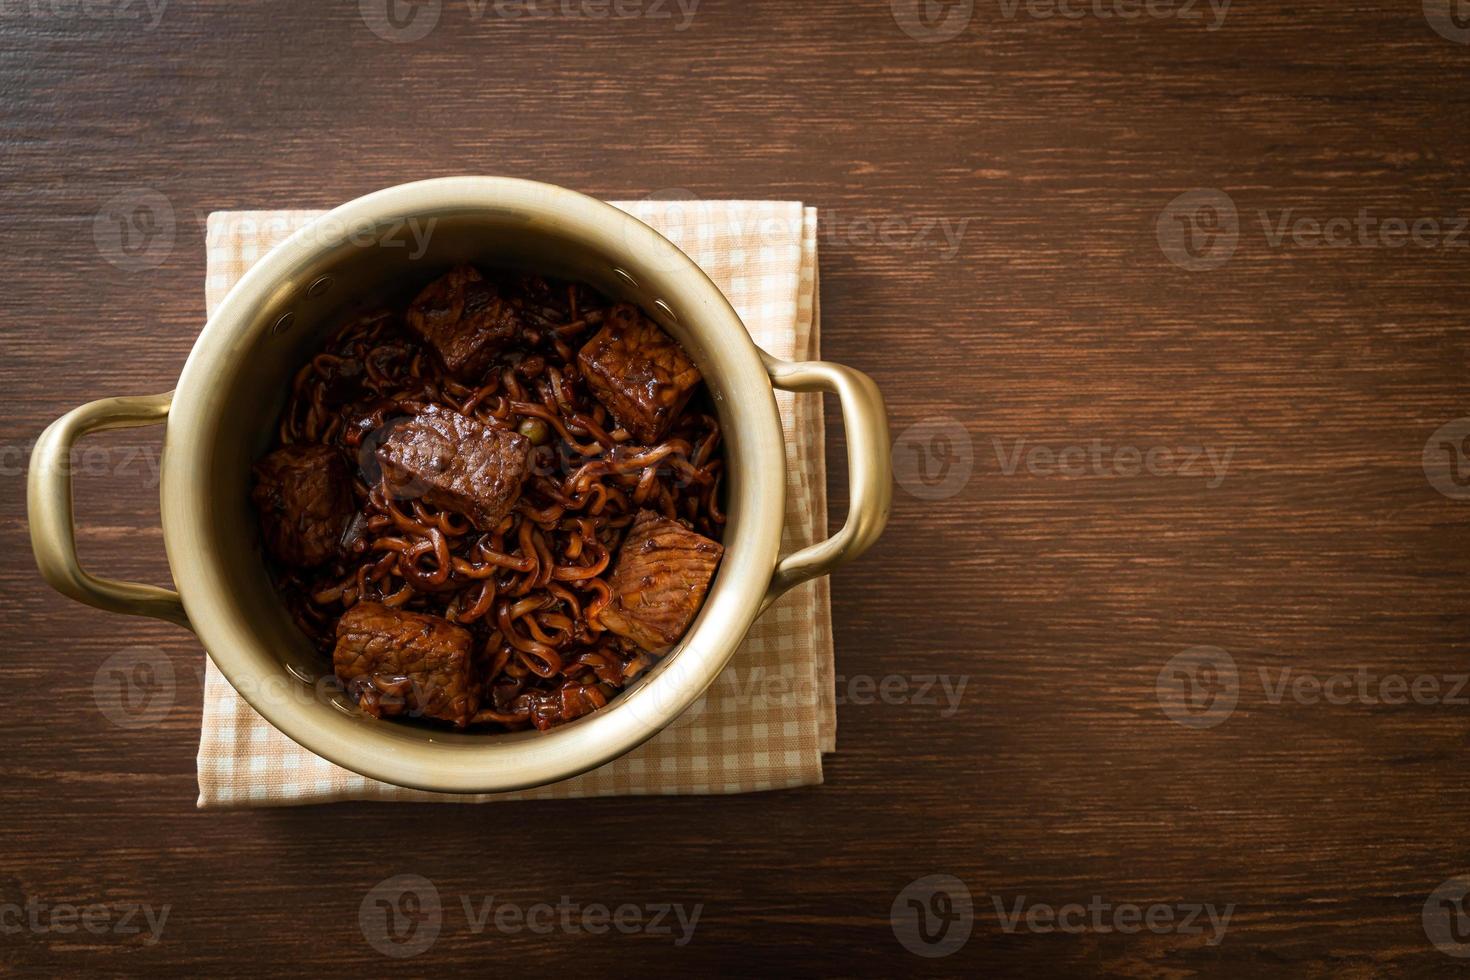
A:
(395, 662)
(454, 462)
(662, 574)
(303, 494)
(465, 319)
(638, 372)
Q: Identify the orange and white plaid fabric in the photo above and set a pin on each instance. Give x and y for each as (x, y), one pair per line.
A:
(770, 716)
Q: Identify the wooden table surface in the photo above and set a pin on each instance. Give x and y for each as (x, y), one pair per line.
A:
(1168, 305)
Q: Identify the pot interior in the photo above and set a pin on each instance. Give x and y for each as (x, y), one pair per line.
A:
(237, 383)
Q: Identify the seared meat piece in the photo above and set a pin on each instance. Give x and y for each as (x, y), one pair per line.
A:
(465, 319)
(303, 496)
(662, 574)
(452, 461)
(395, 662)
(638, 372)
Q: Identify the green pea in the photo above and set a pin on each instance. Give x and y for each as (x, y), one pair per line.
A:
(535, 430)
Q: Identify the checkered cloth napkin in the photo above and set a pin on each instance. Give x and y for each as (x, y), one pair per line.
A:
(766, 721)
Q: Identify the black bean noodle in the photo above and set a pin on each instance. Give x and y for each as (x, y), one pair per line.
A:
(530, 590)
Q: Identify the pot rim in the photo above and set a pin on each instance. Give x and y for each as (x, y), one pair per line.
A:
(482, 763)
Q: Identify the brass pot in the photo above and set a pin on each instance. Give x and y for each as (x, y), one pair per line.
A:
(221, 417)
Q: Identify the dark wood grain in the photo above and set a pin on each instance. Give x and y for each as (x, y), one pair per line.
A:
(1057, 319)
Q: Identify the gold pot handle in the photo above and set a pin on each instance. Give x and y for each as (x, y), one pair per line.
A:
(869, 468)
(49, 502)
